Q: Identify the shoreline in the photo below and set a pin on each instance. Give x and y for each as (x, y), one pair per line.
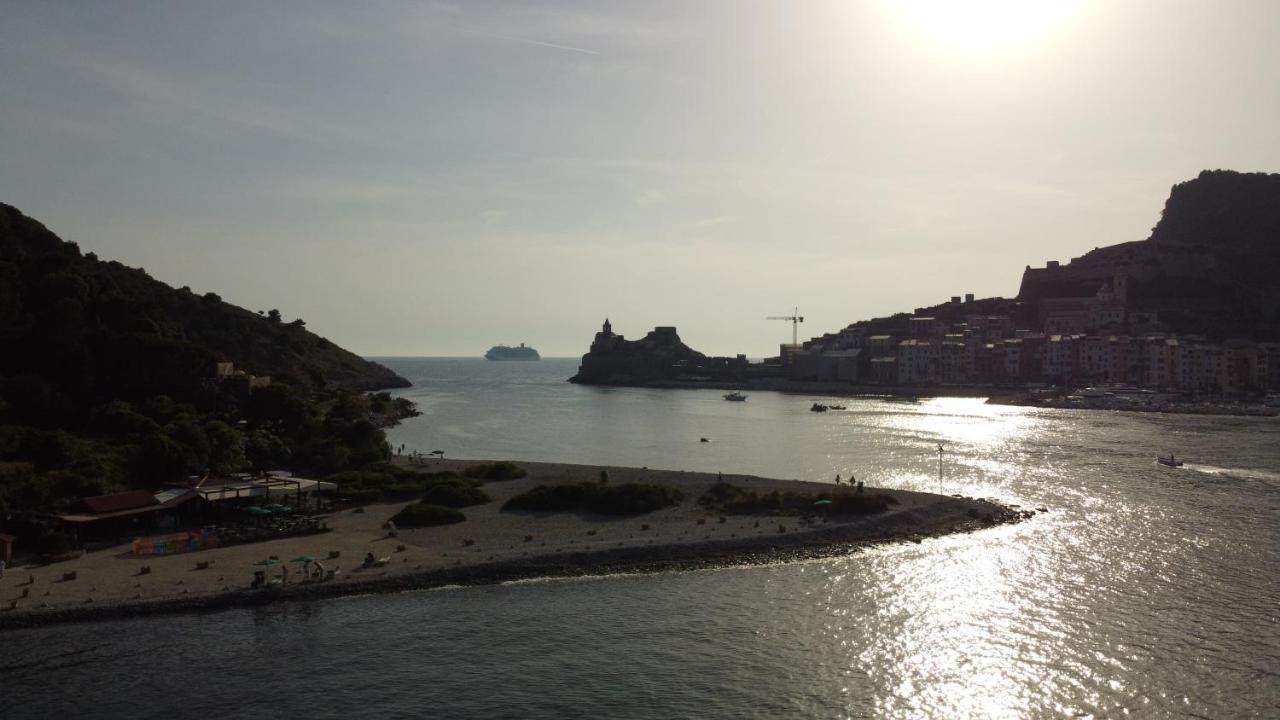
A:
(994, 395)
(921, 516)
(1178, 408)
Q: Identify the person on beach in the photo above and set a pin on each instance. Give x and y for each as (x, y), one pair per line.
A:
(2, 566)
(837, 478)
(284, 574)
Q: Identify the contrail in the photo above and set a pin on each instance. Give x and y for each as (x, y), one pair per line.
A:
(526, 41)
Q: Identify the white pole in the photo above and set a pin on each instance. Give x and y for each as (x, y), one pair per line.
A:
(939, 467)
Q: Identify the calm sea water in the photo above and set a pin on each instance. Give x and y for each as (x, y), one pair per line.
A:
(1145, 591)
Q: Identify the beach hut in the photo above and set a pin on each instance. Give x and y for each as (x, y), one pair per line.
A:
(6, 548)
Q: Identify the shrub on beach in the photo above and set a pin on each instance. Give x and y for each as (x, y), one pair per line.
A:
(552, 498)
(721, 494)
(448, 477)
(361, 487)
(733, 500)
(455, 495)
(501, 470)
(864, 503)
(388, 468)
(55, 543)
(634, 498)
(426, 515)
(361, 478)
(367, 486)
(627, 499)
(401, 490)
(361, 495)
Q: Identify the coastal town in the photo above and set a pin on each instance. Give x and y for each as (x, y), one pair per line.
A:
(1076, 341)
(1187, 317)
(967, 346)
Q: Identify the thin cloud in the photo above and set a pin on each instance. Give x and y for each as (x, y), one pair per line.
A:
(526, 41)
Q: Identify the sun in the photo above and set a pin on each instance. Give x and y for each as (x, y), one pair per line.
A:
(983, 25)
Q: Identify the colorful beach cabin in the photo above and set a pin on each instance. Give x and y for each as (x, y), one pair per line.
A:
(6, 548)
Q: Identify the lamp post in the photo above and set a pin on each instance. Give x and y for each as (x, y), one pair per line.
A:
(939, 467)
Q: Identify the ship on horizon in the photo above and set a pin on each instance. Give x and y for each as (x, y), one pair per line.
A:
(504, 352)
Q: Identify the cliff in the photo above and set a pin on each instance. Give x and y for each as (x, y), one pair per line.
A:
(1211, 265)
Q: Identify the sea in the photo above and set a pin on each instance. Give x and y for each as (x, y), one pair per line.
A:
(1142, 591)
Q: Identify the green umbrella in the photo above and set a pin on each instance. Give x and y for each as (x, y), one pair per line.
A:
(267, 562)
(283, 508)
(258, 510)
(822, 502)
(274, 507)
(303, 559)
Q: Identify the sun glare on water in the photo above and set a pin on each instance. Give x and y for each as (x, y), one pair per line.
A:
(983, 25)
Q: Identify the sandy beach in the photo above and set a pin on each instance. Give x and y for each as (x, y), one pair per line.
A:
(490, 546)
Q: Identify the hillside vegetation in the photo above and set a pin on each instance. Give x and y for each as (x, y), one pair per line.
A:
(107, 381)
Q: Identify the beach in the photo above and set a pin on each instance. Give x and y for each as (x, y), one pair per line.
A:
(489, 546)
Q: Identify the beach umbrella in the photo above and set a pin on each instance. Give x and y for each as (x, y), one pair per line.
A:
(437, 452)
(267, 562)
(258, 510)
(303, 559)
(822, 502)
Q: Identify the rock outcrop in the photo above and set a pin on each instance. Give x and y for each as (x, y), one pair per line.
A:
(614, 360)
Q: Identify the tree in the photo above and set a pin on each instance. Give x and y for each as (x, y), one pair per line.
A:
(273, 315)
(161, 460)
(226, 447)
(265, 450)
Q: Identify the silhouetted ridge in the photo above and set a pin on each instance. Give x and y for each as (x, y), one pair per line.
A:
(75, 319)
(1210, 267)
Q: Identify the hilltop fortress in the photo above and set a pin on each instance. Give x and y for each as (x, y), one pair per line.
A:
(660, 355)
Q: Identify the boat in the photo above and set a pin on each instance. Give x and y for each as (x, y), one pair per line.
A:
(503, 352)
(735, 397)
(818, 407)
(1170, 461)
(837, 407)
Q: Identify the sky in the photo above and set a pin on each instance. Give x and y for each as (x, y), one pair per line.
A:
(433, 178)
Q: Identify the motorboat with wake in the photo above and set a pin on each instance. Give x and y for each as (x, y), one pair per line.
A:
(735, 397)
(1170, 461)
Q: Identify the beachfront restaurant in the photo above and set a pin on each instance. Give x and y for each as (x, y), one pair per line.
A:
(244, 491)
(125, 514)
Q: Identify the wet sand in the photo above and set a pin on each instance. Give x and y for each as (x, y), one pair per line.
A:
(490, 546)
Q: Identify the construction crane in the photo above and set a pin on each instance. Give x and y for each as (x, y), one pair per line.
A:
(795, 320)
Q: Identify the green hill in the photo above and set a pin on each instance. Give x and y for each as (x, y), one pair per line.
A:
(107, 380)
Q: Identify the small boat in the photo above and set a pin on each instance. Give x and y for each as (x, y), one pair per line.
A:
(1170, 461)
(735, 397)
(837, 407)
(818, 407)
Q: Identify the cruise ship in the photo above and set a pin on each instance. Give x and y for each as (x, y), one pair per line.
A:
(503, 352)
